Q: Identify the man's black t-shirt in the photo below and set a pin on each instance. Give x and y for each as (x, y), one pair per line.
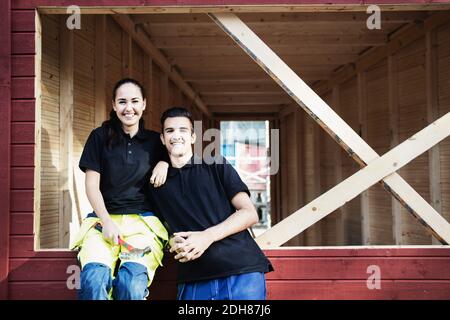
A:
(196, 197)
(124, 169)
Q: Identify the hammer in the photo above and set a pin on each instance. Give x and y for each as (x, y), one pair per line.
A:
(133, 253)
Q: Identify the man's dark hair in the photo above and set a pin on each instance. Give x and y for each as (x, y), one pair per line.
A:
(177, 112)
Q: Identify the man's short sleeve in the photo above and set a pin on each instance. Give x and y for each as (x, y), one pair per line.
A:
(91, 156)
(231, 181)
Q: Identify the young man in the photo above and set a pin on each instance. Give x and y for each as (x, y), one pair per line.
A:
(209, 209)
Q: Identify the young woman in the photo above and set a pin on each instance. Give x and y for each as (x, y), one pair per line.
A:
(120, 158)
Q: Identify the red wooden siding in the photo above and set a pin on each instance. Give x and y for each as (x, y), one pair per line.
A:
(422, 273)
(28, 4)
(300, 273)
(5, 133)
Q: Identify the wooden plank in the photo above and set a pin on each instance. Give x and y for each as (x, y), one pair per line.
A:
(99, 72)
(360, 251)
(22, 223)
(22, 178)
(393, 126)
(144, 42)
(5, 155)
(341, 217)
(22, 88)
(38, 130)
(22, 132)
(257, 100)
(217, 6)
(127, 56)
(345, 268)
(164, 87)
(23, 43)
(66, 108)
(362, 115)
(277, 17)
(23, 110)
(357, 290)
(360, 181)
(22, 21)
(324, 115)
(22, 66)
(399, 39)
(432, 82)
(22, 155)
(239, 109)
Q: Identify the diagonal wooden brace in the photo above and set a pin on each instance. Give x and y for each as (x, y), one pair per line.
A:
(351, 187)
(318, 109)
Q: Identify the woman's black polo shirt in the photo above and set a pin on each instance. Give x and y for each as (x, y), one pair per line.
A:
(196, 197)
(125, 169)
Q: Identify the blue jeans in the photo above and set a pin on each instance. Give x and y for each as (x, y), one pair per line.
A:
(246, 286)
(130, 283)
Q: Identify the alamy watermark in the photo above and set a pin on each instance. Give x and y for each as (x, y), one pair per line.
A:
(74, 20)
(210, 151)
(373, 22)
(374, 280)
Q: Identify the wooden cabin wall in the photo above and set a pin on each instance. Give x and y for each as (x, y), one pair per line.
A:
(386, 103)
(443, 105)
(49, 217)
(351, 211)
(122, 57)
(377, 228)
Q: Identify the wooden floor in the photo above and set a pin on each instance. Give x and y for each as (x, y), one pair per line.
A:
(300, 273)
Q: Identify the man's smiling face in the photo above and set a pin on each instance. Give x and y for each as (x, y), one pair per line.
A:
(178, 136)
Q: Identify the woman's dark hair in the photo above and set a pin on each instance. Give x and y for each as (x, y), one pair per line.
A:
(113, 125)
(177, 112)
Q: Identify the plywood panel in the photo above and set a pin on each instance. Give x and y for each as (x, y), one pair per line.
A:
(50, 132)
(328, 149)
(378, 137)
(349, 112)
(443, 61)
(311, 175)
(412, 117)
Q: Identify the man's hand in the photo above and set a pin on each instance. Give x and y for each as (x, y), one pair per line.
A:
(192, 246)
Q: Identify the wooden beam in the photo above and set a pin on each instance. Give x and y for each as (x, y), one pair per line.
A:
(173, 6)
(164, 85)
(5, 146)
(317, 228)
(340, 131)
(399, 39)
(362, 116)
(66, 104)
(145, 43)
(257, 109)
(341, 218)
(148, 85)
(393, 126)
(127, 55)
(434, 155)
(282, 41)
(38, 132)
(351, 187)
(99, 71)
(277, 17)
(255, 100)
(300, 178)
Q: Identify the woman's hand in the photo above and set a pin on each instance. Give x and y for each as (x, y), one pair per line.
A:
(159, 174)
(111, 232)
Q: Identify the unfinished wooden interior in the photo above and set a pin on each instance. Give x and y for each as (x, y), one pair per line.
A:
(386, 84)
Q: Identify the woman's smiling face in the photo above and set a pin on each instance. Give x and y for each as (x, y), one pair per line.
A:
(129, 105)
